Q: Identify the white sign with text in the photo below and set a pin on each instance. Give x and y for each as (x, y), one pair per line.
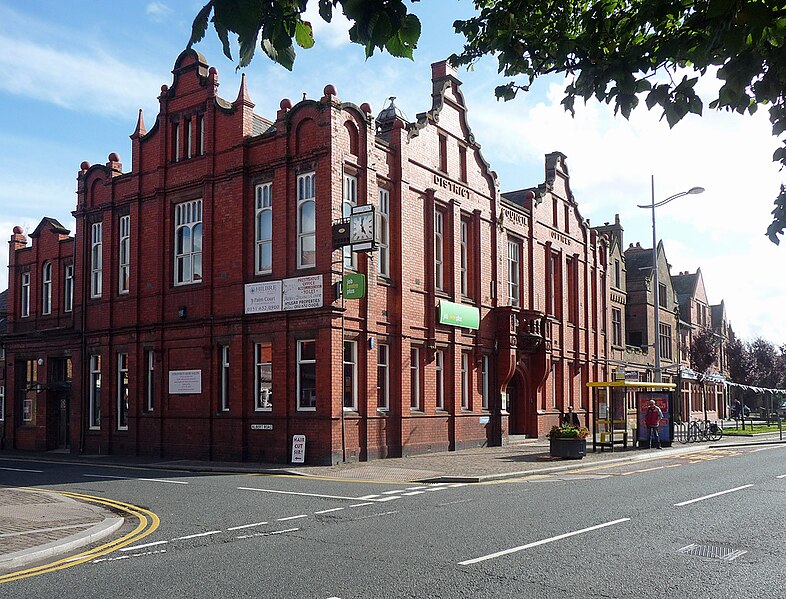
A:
(298, 449)
(263, 297)
(302, 293)
(185, 382)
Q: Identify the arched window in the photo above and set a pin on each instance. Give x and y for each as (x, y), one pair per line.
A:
(354, 137)
(46, 288)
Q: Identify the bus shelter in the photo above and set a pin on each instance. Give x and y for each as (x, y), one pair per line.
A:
(610, 412)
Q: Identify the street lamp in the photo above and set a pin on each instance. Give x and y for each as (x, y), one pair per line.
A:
(652, 206)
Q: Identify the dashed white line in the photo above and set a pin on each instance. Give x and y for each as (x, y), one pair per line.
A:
(368, 497)
(712, 495)
(541, 542)
(114, 559)
(201, 534)
(781, 476)
(335, 509)
(152, 480)
(135, 547)
(391, 498)
(393, 492)
(296, 493)
(413, 493)
(267, 534)
(292, 517)
(247, 525)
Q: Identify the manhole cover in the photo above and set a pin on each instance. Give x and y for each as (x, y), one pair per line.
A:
(712, 551)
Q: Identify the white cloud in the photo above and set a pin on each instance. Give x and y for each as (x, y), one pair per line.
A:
(158, 11)
(333, 34)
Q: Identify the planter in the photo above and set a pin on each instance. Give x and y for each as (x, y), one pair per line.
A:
(569, 448)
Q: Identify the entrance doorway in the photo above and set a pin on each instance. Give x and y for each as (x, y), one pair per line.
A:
(63, 402)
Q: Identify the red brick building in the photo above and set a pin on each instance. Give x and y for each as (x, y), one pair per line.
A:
(196, 312)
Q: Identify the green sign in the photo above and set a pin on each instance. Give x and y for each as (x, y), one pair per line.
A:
(354, 286)
(458, 315)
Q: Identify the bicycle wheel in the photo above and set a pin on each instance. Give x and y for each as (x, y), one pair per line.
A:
(682, 433)
(716, 432)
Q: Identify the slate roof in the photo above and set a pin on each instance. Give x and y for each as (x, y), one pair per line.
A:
(685, 285)
(52, 223)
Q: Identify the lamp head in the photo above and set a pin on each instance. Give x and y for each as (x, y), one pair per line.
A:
(695, 190)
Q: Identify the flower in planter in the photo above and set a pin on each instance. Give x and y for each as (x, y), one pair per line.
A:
(568, 431)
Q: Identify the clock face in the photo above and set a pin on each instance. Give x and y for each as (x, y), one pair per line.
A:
(362, 227)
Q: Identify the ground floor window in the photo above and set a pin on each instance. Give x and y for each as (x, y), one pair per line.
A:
(306, 374)
(484, 382)
(122, 392)
(439, 390)
(414, 378)
(2, 402)
(383, 376)
(466, 386)
(28, 393)
(263, 384)
(95, 392)
(224, 376)
(350, 390)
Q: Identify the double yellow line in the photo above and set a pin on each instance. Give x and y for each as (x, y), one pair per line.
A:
(147, 523)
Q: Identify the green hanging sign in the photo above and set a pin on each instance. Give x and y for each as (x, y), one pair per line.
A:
(458, 315)
(354, 286)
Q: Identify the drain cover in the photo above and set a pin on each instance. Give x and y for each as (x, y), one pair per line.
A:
(712, 551)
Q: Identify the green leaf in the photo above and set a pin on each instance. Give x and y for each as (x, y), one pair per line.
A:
(304, 35)
(199, 26)
(223, 35)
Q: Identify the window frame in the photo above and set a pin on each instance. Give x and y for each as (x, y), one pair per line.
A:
(466, 380)
(306, 194)
(188, 217)
(46, 288)
(415, 380)
(121, 388)
(383, 377)
(24, 300)
(68, 288)
(464, 266)
(300, 363)
(96, 260)
(383, 232)
(2, 403)
(259, 353)
(223, 377)
(484, 381)
(124, 255)
(94, 414)
(439, 249)
(352, 364)
(439, 379)
(616, 326)
(263, 203)
(349, 199)
(150, 365)
(665, 341)
(514, 268)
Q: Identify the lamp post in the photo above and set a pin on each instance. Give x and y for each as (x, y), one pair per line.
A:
(652, 206)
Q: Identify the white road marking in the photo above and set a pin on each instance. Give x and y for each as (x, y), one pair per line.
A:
(22, 470)
(368, 497)
(541, 542)
(391, 498)
(201, 534)
(114, 559)
(437, 489)
(335, 509)
(135, 547)
(455, 485)
(361, 504)
(292, 517)
(296, 493)
(393, 492)
(711, 496)
(247, 525)
(267, 534)
(152, 480)
(413, 493)
(781, 476)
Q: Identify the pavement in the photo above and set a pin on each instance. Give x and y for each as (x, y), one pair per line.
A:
(37, 524)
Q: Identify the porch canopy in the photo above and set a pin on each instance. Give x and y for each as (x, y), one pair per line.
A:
(610, 411)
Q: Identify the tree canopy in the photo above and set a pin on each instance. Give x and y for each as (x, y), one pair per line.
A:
(615, 51)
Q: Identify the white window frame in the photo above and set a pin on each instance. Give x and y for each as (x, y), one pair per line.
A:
(262, 401)
(414, 375)
(95, 392)
(514, 261)
(2, 403)
(201, 124)
(465, 380)
(301, 362)
(383, 376)
(96, 259)
(383, 233)
(124, 254)
(350, 362)
(464, 267)
(349, 200)
(439, 248)
(439, 379)
(122, 377)
(616, 326)
(68, 299)
(177, 142)
(46, 288)
(306, 194)
(150, 380)
(263, 209)
(189, 137)
(24, 301)
(187, 257)
(484, 382)
(223, 379)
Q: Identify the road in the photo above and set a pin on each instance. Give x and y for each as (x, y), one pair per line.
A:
(708, 523)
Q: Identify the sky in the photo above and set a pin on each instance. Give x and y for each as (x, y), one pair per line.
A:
(76, 73)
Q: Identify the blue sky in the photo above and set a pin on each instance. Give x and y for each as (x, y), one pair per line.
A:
(76, 73)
